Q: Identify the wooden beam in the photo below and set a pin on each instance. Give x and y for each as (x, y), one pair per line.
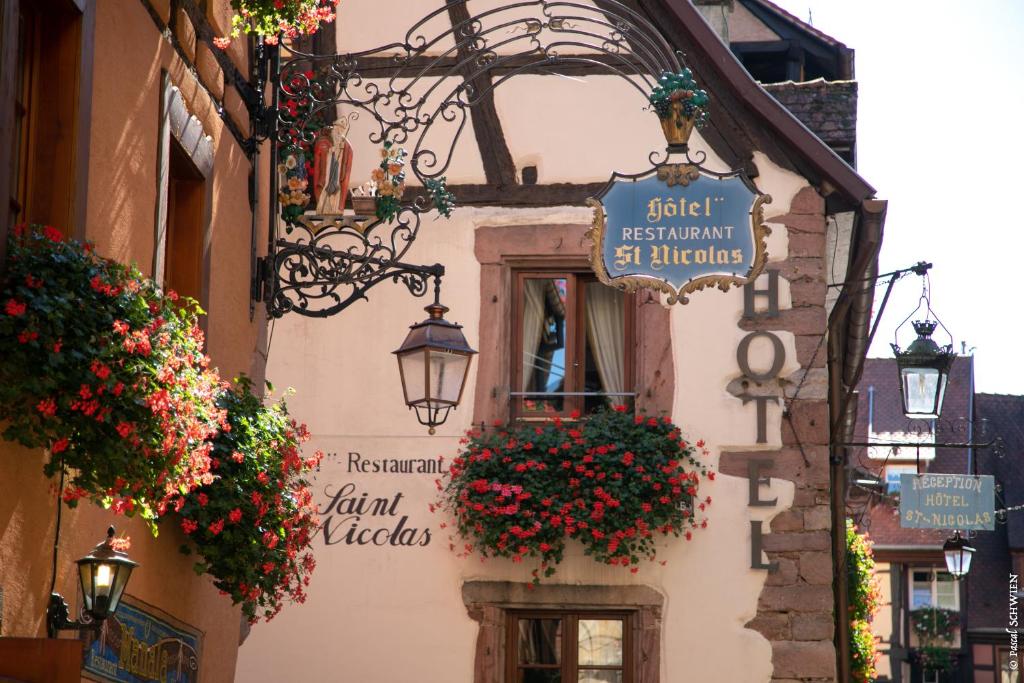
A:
(499, 168)
(555, 194)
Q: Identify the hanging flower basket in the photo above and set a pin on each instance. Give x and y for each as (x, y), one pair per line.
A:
(107, 371)
(616, 483)
(252, 526)
(272, 19)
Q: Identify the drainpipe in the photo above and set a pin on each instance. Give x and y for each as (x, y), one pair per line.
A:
(848, 338)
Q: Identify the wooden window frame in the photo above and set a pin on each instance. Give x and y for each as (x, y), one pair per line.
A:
(489, 602)
(575, 340)
(187, 131)
(69, 169)
(934, 582)
(502, 249)
(570, 637)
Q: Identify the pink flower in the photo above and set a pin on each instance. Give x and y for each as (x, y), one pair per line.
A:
(222, 43)
(188, 526)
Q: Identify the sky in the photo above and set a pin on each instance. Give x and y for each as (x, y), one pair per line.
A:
(939, 135)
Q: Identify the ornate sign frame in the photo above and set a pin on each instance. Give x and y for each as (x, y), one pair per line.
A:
(679, 174)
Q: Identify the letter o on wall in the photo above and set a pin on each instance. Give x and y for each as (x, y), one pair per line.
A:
(778, 356)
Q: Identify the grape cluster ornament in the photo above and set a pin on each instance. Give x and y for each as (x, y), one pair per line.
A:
(680, 105)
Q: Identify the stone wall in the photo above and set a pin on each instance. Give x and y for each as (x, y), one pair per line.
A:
(795, 611)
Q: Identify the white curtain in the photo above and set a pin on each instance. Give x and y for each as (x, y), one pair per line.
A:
(605, 332)
(533, 327)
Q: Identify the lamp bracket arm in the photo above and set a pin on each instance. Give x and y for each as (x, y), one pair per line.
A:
(57, 618)
(919, 268)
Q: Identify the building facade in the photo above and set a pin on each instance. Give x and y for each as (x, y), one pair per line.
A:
(911, 568)
(120, 123)
(762, 376)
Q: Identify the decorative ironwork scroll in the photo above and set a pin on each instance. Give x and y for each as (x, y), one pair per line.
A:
(415, 93)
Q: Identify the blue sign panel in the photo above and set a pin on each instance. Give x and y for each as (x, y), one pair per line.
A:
(947, 501)
(135, 646)
(679, 229)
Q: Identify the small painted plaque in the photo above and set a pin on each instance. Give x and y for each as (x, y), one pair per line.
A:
(141, 643)
(678, 228)
(947, 501)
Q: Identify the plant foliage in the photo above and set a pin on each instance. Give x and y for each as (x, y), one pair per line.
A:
(863, 599)
(108, 372)
(615, 483)
(253, 524)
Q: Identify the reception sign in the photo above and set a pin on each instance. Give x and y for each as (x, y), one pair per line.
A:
(678, 228)
(141, 643)
(947, 501)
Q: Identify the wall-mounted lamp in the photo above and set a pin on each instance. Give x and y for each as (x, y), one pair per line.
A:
(924, 366)
(958, 556)
(104, 574)
(434, 362)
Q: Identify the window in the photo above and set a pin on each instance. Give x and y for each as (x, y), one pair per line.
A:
(892, 477)
(933, 587)
(574, 347)
(559, 647)
(1008, 666)
(185, 203)
(42, 159)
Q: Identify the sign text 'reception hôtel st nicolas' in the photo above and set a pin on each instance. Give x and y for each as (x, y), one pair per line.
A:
(947, 501)
(684, 231)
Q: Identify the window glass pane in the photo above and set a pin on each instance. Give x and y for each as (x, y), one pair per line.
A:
(540, 676)
(599, 676)
(540, 642)
(543, 307)
(604, 319)
(921, 592)
(945, 591)
(600, 643)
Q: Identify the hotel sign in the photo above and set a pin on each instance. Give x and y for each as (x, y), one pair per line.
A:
(141, 643)
(947, 501)
(678, 228)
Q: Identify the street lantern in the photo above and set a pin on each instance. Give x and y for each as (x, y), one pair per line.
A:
(924, 370)
(958, 555)
(434, 362)
(103, 574)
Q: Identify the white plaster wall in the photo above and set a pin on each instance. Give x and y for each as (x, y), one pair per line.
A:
(395, 614)
(369, 24)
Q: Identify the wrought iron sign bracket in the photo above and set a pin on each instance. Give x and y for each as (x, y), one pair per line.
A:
(416, 93)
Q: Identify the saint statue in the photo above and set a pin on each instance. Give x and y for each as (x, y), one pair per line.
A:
(332, 166)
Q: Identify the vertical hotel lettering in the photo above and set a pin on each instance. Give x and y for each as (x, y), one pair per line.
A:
(756, 468)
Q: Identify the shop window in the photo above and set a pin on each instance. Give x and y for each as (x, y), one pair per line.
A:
(585, 647)
(933, 587)
(42, 155)
(574, 344)
(186, 191)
